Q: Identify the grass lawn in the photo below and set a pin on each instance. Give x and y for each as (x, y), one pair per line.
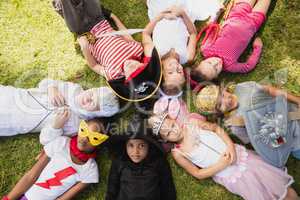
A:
(35, 43)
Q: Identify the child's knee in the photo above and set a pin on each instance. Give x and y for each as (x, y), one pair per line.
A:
(296, 154)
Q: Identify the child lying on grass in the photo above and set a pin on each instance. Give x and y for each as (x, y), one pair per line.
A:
(66, 165)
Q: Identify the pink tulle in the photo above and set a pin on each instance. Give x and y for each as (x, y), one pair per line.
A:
(254, 178)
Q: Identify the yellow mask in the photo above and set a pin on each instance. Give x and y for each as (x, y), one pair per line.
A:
(95, 138)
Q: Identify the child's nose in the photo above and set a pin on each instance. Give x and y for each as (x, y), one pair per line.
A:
(136, 150)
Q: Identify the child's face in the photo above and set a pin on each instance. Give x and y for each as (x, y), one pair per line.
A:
(227, 102)
(89, 100)
(173, 72)
(137, 149)
(83, 143)
(210, 68)
(170, 131)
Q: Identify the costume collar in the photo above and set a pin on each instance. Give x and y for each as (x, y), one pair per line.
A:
(79, 154)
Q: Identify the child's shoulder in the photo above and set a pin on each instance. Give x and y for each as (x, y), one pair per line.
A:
(57, 145)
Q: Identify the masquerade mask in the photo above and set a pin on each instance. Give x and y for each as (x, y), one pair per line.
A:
(95, 138)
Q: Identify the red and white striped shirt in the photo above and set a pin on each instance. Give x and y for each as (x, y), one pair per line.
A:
(112, 51)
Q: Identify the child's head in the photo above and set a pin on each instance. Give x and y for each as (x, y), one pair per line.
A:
(209, 68)
(173, 73)
(215, 99)
(88, 100)
(168, 129)
(96, 102)
(90, 135)
(137, 150)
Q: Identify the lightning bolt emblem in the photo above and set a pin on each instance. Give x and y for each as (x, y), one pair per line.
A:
(59, 176)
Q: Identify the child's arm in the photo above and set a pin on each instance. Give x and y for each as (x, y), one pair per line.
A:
(222, 134)
(91, 61)
(251, 62)
(50, 133)
(73, 191)
(273, 91)
(147, 39)
(121, 26)
(167, 187)
(113, 186)
(197, 172)
(29, 178)
(191, 46)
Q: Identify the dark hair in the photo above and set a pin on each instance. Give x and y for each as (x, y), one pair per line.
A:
(198, 75)
(99, 122)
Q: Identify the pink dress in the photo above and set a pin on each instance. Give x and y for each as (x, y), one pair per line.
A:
(233, 38)
(249, 177)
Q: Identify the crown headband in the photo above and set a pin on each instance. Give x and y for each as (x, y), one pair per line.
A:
(157, 124)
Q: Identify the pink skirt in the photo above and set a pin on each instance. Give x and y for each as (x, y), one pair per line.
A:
(252, 178)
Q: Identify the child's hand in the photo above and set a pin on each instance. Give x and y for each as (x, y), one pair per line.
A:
(55, 97)
(176, 10)
(170, 16)
(225, 160)
(83, 42)
(61, 118)
(232, 154)
(257, 42)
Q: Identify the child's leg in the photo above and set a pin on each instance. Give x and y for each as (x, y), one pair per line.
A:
(262, 6)
(251, 2)
(291, 194)
(81, 15)
(296, 154)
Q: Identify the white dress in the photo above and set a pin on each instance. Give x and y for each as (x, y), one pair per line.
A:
(169, 34)
(249, 176)
(28, 110)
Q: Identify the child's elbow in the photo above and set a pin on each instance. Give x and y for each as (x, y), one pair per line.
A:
(200, 175)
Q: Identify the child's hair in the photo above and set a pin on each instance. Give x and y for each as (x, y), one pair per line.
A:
(198, 75)
(170, 89)
(99, 122)
(170, 53)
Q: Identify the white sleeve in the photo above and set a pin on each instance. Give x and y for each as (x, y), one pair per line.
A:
(90, 174)
(61, 85)
(49, 134)
(56, 145)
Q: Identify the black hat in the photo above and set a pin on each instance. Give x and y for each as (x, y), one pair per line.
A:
(136, 129)
(144, 85)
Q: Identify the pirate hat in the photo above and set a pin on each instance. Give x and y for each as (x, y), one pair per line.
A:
(143, 85)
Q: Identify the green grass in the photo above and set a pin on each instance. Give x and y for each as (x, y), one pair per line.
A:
(35, 43)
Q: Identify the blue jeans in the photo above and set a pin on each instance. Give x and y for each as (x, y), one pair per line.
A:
(296, 154)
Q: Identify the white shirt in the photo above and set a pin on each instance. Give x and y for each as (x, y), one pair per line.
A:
(61, 173)
(20, 113)
(169, 34)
